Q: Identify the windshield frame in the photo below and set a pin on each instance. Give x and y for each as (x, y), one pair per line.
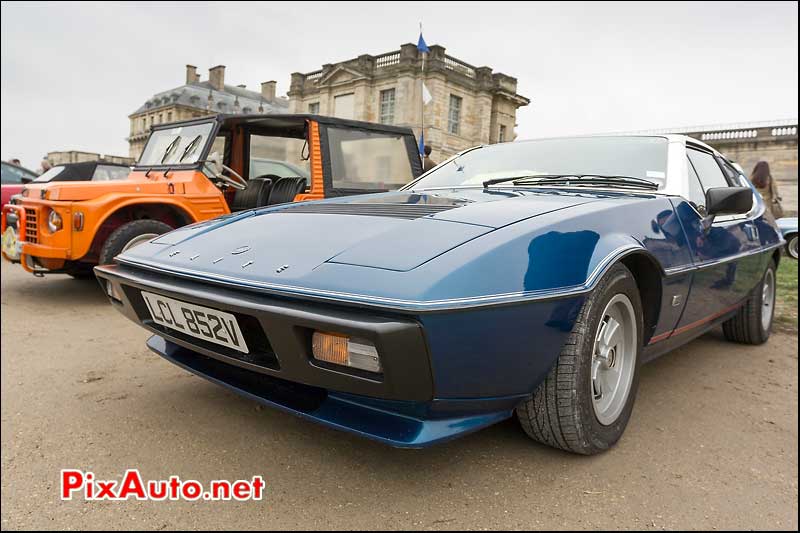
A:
(664, 184)
(216, 123)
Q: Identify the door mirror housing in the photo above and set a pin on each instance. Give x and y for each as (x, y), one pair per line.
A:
(215, 161)
(729, 201)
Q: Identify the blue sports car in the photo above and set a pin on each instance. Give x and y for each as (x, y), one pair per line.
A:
(530, 278)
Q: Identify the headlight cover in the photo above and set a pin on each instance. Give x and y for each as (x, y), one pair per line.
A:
(54, 222)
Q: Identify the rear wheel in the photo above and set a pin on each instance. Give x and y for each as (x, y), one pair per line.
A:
(129, 235)
(584, 404)
(752, 324)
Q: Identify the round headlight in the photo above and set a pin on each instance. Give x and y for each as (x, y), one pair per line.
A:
(54, 222)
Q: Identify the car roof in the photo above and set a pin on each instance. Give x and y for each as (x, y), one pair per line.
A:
(290, 123)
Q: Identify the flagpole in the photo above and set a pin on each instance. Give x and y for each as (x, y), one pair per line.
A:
(422, 98)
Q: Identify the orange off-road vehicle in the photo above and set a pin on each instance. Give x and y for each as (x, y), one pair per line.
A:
(197, 170)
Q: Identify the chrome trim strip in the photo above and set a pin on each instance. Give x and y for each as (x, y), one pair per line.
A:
(420, 306)
(716, 262)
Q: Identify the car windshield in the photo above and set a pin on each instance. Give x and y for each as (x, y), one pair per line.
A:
(639, 157)
(180, 145)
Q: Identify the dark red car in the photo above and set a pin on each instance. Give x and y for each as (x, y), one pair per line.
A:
(14, 177)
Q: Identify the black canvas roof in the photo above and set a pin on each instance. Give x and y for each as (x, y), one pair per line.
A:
(81, 171)
(286, 122)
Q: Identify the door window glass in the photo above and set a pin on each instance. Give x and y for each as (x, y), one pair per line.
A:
(707, 169)
(697, 197)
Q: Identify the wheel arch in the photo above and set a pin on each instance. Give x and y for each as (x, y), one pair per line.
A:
(649, 277)
(776, 255)
(169, 213)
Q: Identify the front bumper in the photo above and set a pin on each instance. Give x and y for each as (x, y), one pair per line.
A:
(397, 407)
(35, 256)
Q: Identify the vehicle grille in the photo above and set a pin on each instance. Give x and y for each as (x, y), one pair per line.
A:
(31, 226)
(407, 211)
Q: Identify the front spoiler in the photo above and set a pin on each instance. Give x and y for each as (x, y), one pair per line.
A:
(331, 409)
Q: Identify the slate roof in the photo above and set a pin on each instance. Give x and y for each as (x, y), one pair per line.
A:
(196, 95)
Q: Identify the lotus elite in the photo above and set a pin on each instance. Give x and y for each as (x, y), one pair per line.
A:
(528, 279)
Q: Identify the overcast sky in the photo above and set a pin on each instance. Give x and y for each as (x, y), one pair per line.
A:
(71, 73)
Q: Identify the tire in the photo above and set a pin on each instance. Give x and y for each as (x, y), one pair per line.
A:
(752, 324)
(81, 272)
(562, 412)
(791, 246)
(126, 233)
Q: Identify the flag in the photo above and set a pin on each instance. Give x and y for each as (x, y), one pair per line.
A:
(422, 45)
(426, 94)
(422, 144)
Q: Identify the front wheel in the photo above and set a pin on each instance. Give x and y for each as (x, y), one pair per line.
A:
(129, 235)
(584, 404)
(752, 324)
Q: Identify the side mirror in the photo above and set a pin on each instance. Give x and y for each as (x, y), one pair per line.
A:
(729, 200)
(215, 160)
(726, 201)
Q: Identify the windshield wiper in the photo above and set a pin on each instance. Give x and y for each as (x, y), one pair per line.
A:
(577, 179)
(170, 149)
(190, 148)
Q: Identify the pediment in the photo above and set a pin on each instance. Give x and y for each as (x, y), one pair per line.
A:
(340, 75)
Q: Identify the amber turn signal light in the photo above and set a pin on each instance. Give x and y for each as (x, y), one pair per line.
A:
(77, 221)
(341, 350)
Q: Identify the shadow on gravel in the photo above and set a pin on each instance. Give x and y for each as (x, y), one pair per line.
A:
(55, 289)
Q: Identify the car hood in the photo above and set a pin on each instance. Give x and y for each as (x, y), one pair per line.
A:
(78, 191)
(392, 231)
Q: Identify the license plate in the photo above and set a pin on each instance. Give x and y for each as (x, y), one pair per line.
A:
(197, 321)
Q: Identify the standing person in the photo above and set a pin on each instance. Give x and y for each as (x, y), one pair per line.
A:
(45, 166)
(761, 177)
(427, 162)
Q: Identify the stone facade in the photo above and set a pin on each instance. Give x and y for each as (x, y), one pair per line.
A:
(196, 99)
(748, 143)
(74, 156)
(772, 142)
(362, 89)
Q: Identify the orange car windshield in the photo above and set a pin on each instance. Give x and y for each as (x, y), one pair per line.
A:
(181, 145)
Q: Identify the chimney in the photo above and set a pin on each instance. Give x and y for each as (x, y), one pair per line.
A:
(191, 74)
(216, 77)
(268, 90)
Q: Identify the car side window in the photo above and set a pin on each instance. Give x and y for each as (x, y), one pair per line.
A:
(697, 196)
(11, 175)
(707, 169)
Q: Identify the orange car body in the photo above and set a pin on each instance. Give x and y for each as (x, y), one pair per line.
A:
(90, 211)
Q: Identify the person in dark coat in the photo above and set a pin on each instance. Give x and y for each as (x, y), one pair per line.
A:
(427, 162)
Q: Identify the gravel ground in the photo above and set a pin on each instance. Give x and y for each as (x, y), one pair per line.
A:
(712, 442)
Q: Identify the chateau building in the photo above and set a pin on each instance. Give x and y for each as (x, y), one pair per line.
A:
(466, 105)
(197, 98)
